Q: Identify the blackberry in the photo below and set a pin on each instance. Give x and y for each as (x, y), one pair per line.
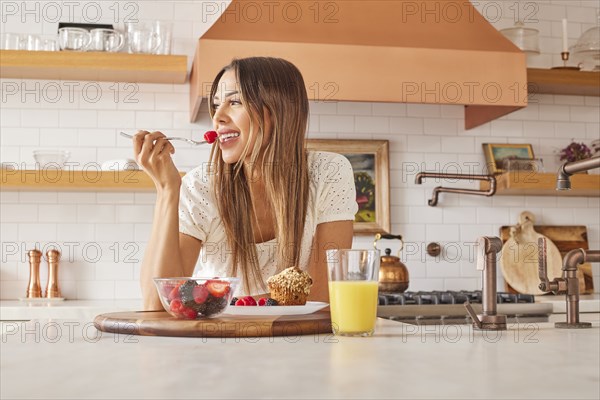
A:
(214, 305)
(271, 302)
(186, 293)
(232, 303)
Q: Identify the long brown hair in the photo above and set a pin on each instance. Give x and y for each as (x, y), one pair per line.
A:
(277, 86)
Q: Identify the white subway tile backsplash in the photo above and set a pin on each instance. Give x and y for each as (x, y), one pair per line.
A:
(555, 113)
(37, 197)
(93, 213)
(95, 290)
(424, 144)
(354, 108)
(134, 213)
(39, 118)
(76, 232)
(372, 124)
(114, 272)
(406, 126)
(117, 232)
(585, 114)
(58, 213)
(540, 129)
(57, 137)
(570, 130)
(441, 127)
(423, 110)
(117, 119)
(389, 109)
(335, 123)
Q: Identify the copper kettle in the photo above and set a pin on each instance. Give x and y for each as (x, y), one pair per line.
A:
(393, 274)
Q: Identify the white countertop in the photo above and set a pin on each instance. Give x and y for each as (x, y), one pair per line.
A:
(534, 361)
(14, 310)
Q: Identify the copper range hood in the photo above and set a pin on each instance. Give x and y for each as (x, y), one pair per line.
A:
(427, 51)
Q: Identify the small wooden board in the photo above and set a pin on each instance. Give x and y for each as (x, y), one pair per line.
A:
(161, 323)
(566, 238)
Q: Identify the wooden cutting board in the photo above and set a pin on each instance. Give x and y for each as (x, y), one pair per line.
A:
(161, 323)
(566, 238)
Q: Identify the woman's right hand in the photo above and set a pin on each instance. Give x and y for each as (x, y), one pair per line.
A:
(153, 153)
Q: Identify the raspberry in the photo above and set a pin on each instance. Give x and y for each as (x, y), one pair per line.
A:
(174, 293)
(249, 300)
(262, 301)
(240, 302)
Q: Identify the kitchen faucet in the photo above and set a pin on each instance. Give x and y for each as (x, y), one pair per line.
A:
(437, 190)
(487, 249)
(567, 284)
(563, 181)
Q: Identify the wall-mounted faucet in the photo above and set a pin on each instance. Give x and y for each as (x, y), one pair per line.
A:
(563, 181)
(437, 190)
(487, 250)
(567, 284)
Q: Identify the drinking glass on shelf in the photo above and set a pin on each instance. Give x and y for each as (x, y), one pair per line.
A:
(106, 40)
(10, 41)
(31, 43)
(353, 291)
(164, 30)
(73, 39)
(144, 41)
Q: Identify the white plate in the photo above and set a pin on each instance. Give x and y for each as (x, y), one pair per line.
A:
(309, 308)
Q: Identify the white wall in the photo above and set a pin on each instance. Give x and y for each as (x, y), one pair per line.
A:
(102, 235)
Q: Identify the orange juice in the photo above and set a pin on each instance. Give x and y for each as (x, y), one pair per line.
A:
(353, 306)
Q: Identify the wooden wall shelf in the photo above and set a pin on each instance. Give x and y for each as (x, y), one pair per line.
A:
(535, 184)
(559, 81)
(46, 180)
(93, 66)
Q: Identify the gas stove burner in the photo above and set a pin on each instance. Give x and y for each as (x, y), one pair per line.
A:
(449, 297)
(447, 307)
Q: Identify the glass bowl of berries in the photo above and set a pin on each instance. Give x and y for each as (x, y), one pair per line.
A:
(195, 298)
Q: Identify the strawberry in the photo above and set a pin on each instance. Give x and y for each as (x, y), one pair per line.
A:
(249, 300)
(188, 313)
(176, 305)
(262, 301)
(217, 288)
(200, 293)
(174, 293)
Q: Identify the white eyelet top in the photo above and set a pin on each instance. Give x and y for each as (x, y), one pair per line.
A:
(332, 197)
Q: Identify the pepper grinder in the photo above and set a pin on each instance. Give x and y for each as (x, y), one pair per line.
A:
(33, 288)
(52, 290)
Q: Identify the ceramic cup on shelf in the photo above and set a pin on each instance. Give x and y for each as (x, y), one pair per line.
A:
(106, 40)
(73, 39)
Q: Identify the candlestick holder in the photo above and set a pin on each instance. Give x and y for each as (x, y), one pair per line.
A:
(565, 57)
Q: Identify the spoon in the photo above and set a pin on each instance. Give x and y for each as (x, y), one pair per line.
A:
(209, 137)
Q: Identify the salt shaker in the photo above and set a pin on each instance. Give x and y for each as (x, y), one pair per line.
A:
(52, 290)
(33, 288)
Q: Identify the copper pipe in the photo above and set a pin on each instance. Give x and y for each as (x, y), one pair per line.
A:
(568, 283)
(439, 189)
(34, 288)
(563, 181)
(52, 290)
(570, 263)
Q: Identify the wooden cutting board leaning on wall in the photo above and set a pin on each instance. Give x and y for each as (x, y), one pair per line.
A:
(566, 238)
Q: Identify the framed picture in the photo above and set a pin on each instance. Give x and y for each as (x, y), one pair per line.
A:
(497, 153)
(370, 162)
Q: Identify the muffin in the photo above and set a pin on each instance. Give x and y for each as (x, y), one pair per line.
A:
(290, 287)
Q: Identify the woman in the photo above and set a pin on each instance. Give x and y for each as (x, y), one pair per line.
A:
(263, 203)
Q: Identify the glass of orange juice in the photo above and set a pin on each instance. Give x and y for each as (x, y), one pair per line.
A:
(353, 281)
